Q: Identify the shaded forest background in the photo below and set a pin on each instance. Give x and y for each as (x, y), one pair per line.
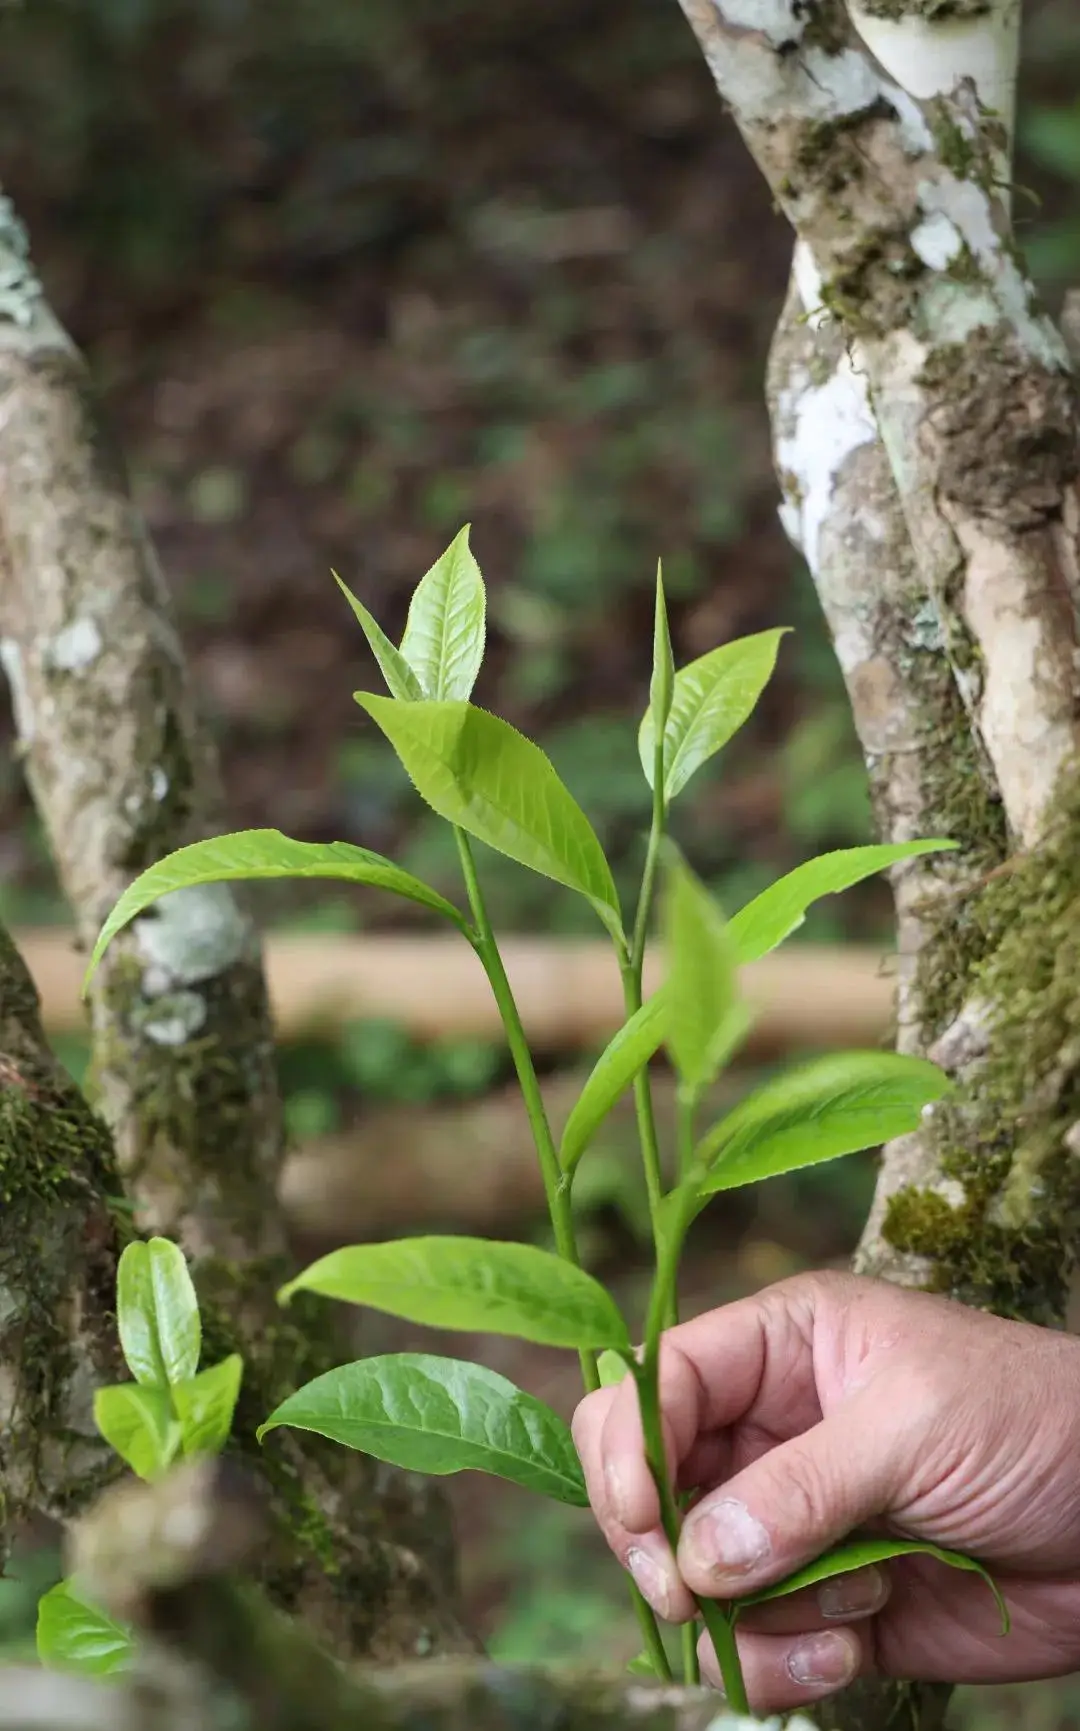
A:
(350, 275)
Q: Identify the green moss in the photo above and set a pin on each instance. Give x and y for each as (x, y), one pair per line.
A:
(1013, 946)
(59, 1242)
(831, 151)
(872, 291)
(934, 11)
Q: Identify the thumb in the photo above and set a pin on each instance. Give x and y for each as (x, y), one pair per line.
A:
(792, 1503)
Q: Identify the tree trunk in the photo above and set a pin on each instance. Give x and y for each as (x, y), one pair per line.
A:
(926, 438)
(183, 1052)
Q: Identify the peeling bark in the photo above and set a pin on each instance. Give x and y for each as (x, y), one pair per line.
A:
(122, 772)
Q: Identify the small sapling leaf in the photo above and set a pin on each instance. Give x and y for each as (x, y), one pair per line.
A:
(623, 1057)
(74, 1635)
(206, 1404)
(611, 1368)
(401, 681)
(157, 1314)
(712, 699)
(481, 774)
(701, 989)
(662, 686)
(440, 1415)
(444, 633)
(138, 1422)
(472, 1284)
(778, 911)
(264, 853)
(832, 1106)
(857, 1554)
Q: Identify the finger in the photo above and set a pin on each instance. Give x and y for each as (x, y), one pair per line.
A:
(781, 1672)
(647, 1555)
(844, 1599)
(794, 1501)
(586, 1428)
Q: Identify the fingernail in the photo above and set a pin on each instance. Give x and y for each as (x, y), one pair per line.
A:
(725, 1539)
(828, 1658)
(615, 1491)
(650, 1579)
(852, 1595)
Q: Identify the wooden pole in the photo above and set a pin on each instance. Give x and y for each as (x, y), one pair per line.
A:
(569, 991)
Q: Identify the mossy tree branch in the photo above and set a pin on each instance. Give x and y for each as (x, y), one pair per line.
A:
(122, 772)
(214, 1652)
(926, 439)
(59, 1243)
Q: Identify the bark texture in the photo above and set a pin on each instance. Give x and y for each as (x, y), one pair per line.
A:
(212, 1652)
(122, 773)
(926, 439)
(59, 1243)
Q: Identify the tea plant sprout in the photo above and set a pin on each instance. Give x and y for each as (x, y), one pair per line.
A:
(492, 785)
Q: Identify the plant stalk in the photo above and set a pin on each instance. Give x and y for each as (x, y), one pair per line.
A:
(556, 1186)
(715, 1616)
(631, 967)
(556, 1190)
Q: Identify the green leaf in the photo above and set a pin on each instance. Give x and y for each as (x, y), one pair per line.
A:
(205, 1406)
(662, 687)
(778, 911)
(138, 1423)
(401, 681)
(611, 1368)
(478, 772)
(642, 1666)
(712, 699)
(614, 1071)
(474, 1284)
(157, 1314)
(858, 1554)
(832, 1106)
(74, 1635)
(701, 986)
(263, 853)
(440, 1415)
(444, 633)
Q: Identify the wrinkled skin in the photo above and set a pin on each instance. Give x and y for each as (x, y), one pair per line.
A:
(826, 1404)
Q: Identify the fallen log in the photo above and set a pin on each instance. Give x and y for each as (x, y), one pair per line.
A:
(569, 991)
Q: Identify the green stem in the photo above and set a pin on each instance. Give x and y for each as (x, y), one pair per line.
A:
(652, 862)
(556, 1189)
(650, 1634)
(716, 1617)
(691, 1668)
(556, 1183)
(631, 966)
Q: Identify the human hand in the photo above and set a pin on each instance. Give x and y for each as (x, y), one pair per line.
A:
(829, 1403)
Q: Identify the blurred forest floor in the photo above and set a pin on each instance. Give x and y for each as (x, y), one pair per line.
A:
(350, 276)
